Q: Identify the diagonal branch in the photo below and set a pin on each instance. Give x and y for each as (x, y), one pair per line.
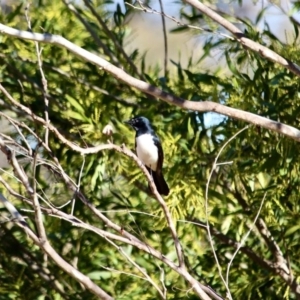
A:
(264, 263)
(203, 106)
(44, 244)
(146, 276)
(280, 266)
(244, 239)
(200, 289)
(246, 42)
(122, 236)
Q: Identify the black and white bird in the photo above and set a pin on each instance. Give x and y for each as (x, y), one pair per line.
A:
(149, 151)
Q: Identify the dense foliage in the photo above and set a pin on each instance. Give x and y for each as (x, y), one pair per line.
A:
(83, 99)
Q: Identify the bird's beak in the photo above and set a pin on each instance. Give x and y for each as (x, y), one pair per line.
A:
(128, 122)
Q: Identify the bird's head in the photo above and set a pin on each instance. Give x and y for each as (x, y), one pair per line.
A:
(138, 123)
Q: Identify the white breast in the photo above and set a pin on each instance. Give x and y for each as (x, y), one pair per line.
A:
(146, 151)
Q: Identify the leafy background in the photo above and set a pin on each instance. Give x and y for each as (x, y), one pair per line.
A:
(83, 99)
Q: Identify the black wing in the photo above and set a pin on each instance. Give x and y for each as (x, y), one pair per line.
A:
(160, 162)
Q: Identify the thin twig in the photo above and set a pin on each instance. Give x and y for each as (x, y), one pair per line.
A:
(17, 127)
(128, 211)
(147, 9)
(264, 263)
(146, 276)
(12, 209)
(165, 38)
(265, 233)
(42, 241)
(127, 238)
(32, 192)
(206, 208)
(78, 185)
(241, 244)
(44, 80)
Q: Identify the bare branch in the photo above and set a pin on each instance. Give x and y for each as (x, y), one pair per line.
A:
(127, 152)
(246, 42)
(11, 208)
(203, 106)
(42, 241)
(273, 246)
(78, 185)
(69, 269)
(127, 238)
(267, 236)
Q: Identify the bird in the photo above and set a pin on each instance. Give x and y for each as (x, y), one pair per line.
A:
(149, 150)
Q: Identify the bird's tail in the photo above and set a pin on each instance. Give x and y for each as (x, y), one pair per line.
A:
(161, 185)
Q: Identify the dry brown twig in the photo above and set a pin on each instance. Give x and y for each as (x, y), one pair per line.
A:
(129, 239)
(200, 289)
(41, 240)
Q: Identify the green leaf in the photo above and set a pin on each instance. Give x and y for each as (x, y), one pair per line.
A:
(97, 275)
(264, 179)
(74, 115)
(75, 104)
(292, 230)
